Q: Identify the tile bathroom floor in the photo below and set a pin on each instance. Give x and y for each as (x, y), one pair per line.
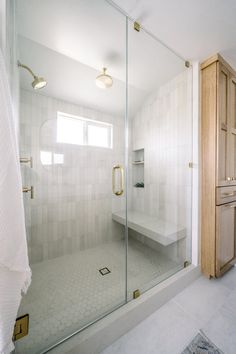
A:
(69, 292)
(209, 305)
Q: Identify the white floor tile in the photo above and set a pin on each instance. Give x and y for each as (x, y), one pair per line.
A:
(167, 331)
(206, 304)
(229, 279)
(222, 326)
(202, 298)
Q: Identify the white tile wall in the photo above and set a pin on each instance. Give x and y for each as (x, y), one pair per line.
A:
(73, 202)
(163, 127)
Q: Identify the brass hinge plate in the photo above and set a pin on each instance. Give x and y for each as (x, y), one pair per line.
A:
(137, 26)
(21, 328)
(187, 64)
(136, 293)
(186, 264)
(190, 164)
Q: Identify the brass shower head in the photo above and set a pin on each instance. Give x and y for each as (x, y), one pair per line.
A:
(38, 82)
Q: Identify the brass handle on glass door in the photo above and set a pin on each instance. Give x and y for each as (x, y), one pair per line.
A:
(121, 190)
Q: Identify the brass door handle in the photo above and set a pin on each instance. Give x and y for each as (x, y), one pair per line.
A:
(121, 190)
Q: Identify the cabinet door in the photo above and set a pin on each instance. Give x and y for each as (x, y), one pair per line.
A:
(232, 128)
(225, 236)
(223, 176)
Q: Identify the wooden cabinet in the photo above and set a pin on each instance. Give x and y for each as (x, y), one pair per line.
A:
(225, 236)
(223, 121)
(232, 127)
(218, 166)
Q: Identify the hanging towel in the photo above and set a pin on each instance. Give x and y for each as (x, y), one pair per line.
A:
(15, 274)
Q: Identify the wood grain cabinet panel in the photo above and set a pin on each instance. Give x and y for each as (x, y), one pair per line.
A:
(225, 236)
(232, 128)
(223, 121)
(218, 166)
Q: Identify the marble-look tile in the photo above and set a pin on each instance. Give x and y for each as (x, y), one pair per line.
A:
(167, 331)
(163, 128)
(201, 299)
(84, 178)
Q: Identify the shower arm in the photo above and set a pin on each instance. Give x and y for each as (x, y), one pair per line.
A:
(27, 68)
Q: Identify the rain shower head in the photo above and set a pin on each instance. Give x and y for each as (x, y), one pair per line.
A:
(104, 80)
(39, 82)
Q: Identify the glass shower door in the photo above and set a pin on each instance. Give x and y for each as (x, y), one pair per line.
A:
(160, 155)
(74, 131)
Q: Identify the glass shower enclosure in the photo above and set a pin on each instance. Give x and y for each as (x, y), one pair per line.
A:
(105, 150)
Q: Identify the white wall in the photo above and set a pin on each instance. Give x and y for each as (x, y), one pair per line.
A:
(73, 202)
(163, 127)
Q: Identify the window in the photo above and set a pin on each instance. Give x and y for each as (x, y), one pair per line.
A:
(82, 131)
(49, 158)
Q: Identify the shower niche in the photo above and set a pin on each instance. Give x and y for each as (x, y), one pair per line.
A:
(138, 168)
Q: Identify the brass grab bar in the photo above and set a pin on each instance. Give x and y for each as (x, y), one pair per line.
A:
(121, 190)
(29, 189)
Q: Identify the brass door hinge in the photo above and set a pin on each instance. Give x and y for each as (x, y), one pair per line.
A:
(21, 328)
(187, 64)
(186, 264)
(190, 164)
(137, 26)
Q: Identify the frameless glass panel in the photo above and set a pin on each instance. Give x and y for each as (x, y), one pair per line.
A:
(160, 150)
(74, 131)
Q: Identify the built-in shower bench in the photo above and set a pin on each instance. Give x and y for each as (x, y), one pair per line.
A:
(161, 231)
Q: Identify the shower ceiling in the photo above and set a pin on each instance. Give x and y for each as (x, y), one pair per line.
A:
(71, 57)
(195, 29)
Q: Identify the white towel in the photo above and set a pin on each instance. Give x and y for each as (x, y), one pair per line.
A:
(15, 274)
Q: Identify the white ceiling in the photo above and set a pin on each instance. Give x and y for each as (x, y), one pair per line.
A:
(69, 41)
(195, 29)
(72, 81)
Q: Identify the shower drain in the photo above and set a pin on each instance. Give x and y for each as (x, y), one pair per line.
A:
(104, 271)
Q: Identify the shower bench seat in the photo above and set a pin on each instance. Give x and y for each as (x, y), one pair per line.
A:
(161, 231)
